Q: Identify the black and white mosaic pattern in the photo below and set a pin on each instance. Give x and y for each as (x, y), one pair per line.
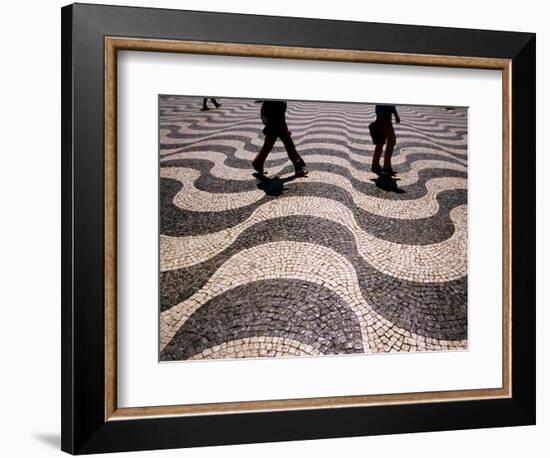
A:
(337, 262)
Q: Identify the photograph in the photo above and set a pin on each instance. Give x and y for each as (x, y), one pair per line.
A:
(310, 228)
(265, 229)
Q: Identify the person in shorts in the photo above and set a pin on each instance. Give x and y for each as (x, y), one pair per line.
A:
(384, 134)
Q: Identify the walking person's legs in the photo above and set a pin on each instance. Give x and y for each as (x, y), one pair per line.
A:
(216, 103)
(258, 162)
(375, 167)
(204, 106)
(390, 145)
(299, 164)
(291, 149)
(378, 134)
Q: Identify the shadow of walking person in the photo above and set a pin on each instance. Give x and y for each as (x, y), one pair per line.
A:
(388, 183)
(273, 186)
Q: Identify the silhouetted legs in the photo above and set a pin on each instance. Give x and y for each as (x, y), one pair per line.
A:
(376, 158)
(258, 162)
(299, 164)
(205, 107)
(389, 140)
(291, 150)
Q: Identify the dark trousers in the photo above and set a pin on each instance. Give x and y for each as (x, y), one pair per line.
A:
(269, 142)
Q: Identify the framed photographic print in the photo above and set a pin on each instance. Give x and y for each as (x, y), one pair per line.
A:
(284, 228)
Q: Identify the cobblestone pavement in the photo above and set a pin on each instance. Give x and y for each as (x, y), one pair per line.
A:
(337, 262)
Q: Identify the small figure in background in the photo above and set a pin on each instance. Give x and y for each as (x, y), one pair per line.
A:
(274, 119)
(214, 101)
(382, 132)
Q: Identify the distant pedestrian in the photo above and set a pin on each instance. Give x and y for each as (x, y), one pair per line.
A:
(273, 116)
(382, 133)
(214, 101)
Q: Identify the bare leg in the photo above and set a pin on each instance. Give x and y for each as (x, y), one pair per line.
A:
(390, 145)
(376, 157)
(258, 162)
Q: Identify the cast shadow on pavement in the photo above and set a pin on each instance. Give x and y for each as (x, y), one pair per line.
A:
(273, 186)
(387, 183)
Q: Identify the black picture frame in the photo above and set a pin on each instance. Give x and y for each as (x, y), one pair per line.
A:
(84, 427)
